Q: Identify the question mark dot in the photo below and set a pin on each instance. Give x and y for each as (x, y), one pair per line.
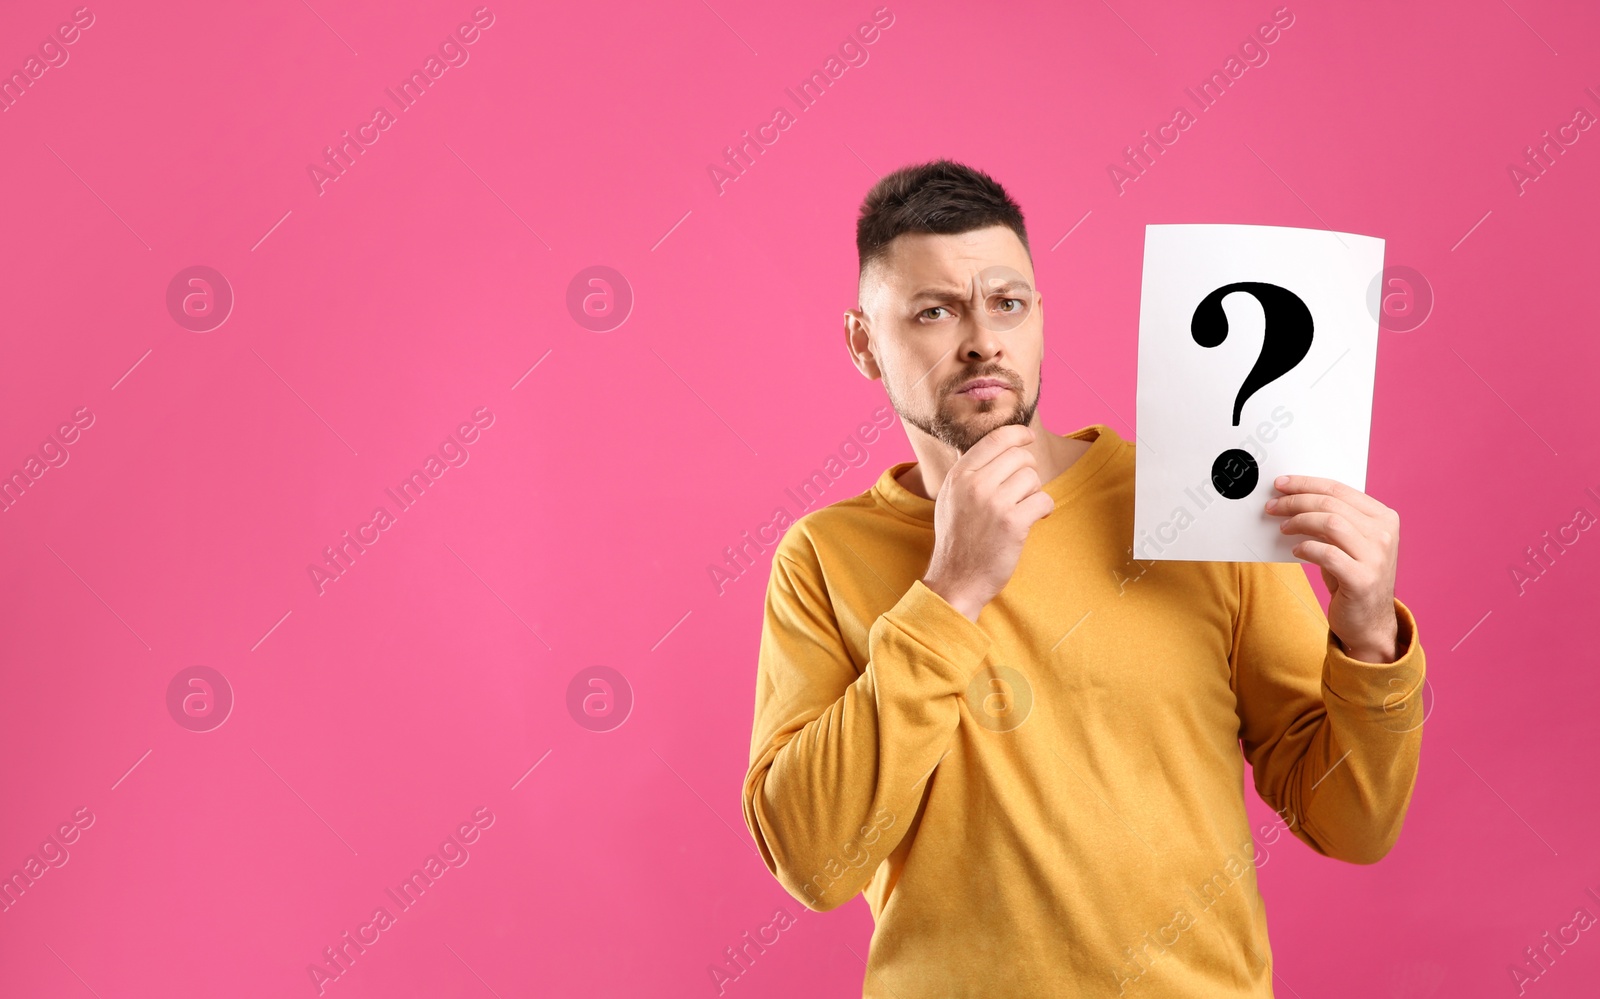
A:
(1235, 473)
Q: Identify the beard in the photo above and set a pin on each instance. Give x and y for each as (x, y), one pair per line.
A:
(962, 430)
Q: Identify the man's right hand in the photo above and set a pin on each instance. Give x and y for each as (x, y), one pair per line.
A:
(986, 505)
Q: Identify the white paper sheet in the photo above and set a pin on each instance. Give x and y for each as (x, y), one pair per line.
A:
(1313, 419)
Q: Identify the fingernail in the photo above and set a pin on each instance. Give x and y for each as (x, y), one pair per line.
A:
(1272, 504)
(1281, 481)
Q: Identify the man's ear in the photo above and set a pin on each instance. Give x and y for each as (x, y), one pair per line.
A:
(858, 341)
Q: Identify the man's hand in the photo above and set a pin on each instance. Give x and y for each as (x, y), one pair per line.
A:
(1356, 541)
(986, 505)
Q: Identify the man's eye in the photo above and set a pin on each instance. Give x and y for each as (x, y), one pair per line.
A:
(936, 308)
(1019, 304)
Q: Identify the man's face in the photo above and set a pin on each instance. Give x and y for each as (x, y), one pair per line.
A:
(939, 311)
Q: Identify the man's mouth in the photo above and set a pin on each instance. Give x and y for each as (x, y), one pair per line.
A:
(983, 388)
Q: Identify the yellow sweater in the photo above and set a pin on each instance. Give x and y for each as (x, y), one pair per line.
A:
(1050, 801)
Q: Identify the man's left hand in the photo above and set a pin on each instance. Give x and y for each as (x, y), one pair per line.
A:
(1355, 540)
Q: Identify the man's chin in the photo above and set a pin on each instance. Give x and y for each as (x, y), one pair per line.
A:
(987, 416)
(963, 433)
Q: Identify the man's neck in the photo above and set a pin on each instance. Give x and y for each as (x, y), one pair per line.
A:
(1053, 454)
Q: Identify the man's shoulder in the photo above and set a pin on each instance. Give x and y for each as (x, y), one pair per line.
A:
(821, 525)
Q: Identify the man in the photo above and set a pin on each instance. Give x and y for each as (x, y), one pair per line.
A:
(975, 706)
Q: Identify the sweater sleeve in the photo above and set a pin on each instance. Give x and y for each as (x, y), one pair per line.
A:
(839, 755)
(1332, 741)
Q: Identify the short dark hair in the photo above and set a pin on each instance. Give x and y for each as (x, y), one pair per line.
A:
(940, 197)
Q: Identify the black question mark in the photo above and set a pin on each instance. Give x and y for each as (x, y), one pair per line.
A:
(1285, 342)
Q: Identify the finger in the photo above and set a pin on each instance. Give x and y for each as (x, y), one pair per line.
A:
(995, 443)
(1332, 487)
(1285, 506)
(1008, 478)
(1038, 505)
(1019, 485)
(1001, 467)
(1336, 530)
(1333, 559)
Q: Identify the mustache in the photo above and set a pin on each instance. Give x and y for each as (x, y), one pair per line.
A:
(1006, 376)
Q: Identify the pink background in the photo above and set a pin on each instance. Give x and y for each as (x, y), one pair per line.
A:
(374, 318)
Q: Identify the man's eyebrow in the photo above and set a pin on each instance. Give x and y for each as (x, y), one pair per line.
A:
(1017, 285)
(940, 294)
(948, 294)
